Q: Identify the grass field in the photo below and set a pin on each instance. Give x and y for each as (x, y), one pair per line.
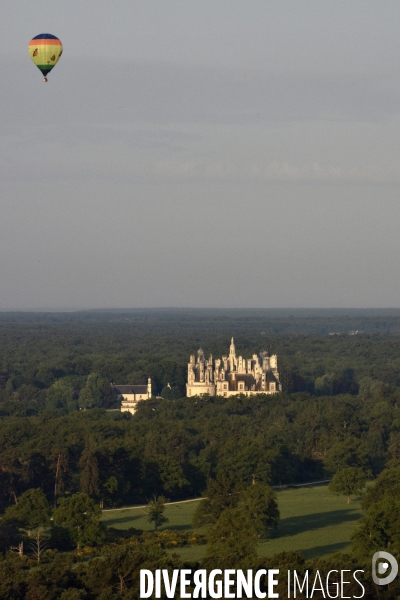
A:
(312, 521)
(179, 515)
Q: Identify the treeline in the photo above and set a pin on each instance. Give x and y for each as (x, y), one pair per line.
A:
(306, 321)
(36, 357)
(338, 409)
(173, 447)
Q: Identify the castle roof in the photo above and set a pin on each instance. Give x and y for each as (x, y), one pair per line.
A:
(131, 389)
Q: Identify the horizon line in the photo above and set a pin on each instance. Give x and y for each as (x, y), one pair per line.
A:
(192, 308)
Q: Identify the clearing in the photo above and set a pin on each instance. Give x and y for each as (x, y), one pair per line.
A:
(312, 521)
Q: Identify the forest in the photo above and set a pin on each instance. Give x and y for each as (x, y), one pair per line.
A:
(64, 441)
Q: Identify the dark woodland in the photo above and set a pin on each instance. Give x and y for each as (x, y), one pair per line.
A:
(65, 448)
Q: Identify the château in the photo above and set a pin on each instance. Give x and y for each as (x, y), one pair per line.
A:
(233, 374)
(130, 395)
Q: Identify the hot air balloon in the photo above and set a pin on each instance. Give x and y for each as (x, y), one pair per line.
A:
(45, 51)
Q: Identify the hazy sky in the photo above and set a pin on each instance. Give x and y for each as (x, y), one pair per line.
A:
(203, 153)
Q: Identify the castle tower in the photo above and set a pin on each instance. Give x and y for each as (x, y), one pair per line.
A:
(200, 376)
(232, 356)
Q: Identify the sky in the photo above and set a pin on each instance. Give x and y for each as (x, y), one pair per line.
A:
(201, 154)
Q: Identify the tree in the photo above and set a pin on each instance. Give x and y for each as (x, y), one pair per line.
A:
(170, 393)
(221, 493)
(349, 453)
(60, 395)
(379, 528)
(9, 535)
(232, 541)
(32, 510)
(387, 484)
(33, 513)
(347, 482)
(155, 510)
(12, 577)
(110, 489)
(94, 392)
(38, 545)
(259, 503)
(62, 470)
(166, 392)
(57, 579)
(117, 572)
(81, 515)
(86, 399)
(249, 459)
(90, 476)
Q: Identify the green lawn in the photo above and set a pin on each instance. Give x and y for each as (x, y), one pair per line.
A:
(312, 521)
(179, 515)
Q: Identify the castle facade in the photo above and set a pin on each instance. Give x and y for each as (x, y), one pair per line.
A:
(233, 375)
(130, 395)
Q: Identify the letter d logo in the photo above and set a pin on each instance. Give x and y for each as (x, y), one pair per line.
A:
(383, 567)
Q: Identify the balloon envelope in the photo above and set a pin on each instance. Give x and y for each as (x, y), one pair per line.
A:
(45, 51)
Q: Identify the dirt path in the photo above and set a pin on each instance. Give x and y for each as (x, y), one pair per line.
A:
(275, 487)
(145, 505)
